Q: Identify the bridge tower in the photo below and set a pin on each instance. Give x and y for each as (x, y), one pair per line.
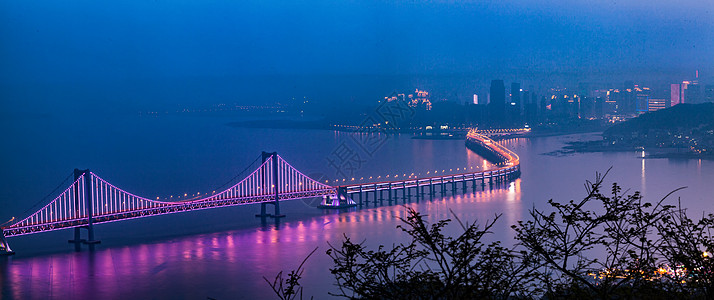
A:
(78, 241)
(275, 203)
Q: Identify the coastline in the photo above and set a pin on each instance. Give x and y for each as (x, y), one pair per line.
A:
(650, 153)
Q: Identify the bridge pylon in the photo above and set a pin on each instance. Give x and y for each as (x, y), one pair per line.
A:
(78, 241)
(275, 184)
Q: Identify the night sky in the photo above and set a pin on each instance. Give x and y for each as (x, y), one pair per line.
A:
(134, 49)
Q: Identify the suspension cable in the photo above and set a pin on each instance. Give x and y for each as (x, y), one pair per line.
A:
(42, 201)
(239, 174)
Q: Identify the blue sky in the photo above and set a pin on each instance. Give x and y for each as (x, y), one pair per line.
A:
(77, 41)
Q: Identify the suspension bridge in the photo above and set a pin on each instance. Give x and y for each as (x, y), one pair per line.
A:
(91, 200)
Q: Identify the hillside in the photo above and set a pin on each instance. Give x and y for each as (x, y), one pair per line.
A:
(682, 118)
(685, 127)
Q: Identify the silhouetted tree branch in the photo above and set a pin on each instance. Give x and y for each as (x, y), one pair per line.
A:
(607, 245)
(289, 288)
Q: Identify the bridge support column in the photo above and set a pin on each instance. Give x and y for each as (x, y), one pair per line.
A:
(416, 190)
(4, 246)
(78, 241)
(404, 191)
(375, 195)
(275, 183)
(390, 192)
(360, 195)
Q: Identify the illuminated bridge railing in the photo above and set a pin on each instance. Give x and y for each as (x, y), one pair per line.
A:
(91, 200)
(412, 183)
(503, 155)
(90, 195)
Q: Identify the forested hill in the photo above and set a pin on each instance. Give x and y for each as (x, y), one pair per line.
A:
(679, 118)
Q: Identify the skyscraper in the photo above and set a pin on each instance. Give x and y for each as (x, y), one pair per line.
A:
(516, 94)
(709, 93)
(497, 102)
(693, 93)
(514, 108)
(643, 99)
(628, 98)
(675, 94)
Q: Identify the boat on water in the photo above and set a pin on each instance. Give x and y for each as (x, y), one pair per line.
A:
(337, 201)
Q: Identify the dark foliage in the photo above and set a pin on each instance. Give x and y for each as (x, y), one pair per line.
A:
(432, 265)
(604, 246)
(289, 288)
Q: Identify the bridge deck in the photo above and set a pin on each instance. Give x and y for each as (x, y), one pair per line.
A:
(92, 200)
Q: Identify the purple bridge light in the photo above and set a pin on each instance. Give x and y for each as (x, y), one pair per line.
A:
(92, 200)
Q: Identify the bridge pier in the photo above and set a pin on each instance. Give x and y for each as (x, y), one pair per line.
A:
(4, 246)
(390, 193)
(416, 189)
(375, 195)
(431, 188)
(263, 210)
(404, 191)
(78, 240)
(360, 195)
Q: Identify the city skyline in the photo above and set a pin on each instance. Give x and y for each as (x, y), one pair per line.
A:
(159, 54)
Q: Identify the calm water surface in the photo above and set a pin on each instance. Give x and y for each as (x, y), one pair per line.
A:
(224, 253)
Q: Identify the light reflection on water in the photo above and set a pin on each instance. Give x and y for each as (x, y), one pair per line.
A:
(225, 264)
(224, 253)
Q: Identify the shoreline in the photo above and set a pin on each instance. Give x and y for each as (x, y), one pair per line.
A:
(417, 134)
(652, 153)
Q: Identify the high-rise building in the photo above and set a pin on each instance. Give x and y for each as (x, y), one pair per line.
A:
(642, 98)
(628, 98)
(693, 93)
(675, 94)
(497, 102)
(587, 107)
(656, 104)
(475, 99)
(599, 104)
(683, 92)
(516, 94)
(709, 93)
(514, 108)
(612, 100)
